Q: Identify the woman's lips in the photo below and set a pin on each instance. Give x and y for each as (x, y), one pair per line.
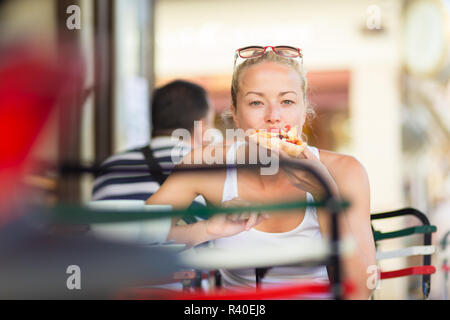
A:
(276, 130)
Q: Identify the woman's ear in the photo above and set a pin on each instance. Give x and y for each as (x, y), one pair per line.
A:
(233, 112)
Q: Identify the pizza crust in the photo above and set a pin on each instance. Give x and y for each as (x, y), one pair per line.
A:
(273, 142)
(294, 150)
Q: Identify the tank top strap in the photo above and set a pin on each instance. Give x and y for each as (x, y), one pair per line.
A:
(311, 211)
(315, 151)
(230, 187)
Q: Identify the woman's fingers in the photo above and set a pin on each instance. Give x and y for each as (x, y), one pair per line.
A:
(251, 222)
(250, 219)
(244, 216)
(281, 153)
(260, 219)
(309, 155)
(234, 216)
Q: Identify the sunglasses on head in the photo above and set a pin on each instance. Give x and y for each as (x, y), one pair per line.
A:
(257, 51)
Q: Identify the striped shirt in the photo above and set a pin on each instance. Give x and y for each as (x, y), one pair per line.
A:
(120, 183)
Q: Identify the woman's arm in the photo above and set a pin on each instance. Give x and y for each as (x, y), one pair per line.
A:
(181, 188)
(348, 180)
(179, 191)
(353, 185)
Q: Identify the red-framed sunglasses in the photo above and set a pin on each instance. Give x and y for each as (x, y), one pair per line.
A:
(257, 51)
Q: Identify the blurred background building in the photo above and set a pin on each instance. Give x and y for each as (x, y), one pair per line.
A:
(378, 75)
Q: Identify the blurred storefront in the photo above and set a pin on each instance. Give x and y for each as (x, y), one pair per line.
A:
(426, 117)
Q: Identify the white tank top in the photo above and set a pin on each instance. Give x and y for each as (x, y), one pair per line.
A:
(308, 229)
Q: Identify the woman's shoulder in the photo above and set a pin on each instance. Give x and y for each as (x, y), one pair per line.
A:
(341, 163)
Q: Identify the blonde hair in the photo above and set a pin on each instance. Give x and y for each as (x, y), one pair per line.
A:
(268, 56)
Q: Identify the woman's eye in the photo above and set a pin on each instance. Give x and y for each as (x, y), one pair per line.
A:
(255, 103)
(288, 102)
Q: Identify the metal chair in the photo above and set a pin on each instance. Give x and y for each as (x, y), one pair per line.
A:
(426, 269)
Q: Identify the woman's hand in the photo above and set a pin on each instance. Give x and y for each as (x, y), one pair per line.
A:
(304, 179)
(225, 225)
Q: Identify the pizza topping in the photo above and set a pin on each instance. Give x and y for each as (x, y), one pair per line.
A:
(266, 133)
(291, 135)
(297, 142)
(288, 134)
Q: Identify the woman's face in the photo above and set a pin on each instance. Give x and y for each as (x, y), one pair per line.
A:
(270, 97)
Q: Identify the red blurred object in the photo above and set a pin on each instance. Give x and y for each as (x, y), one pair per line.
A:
(297, 291)
(33, 82)
(419, 270)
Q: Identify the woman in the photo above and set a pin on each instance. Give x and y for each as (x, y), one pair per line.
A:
(269, 92)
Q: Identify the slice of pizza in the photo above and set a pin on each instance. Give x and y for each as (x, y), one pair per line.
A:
(291, 142)
(286, 139)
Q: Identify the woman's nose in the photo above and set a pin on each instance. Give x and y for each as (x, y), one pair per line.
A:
(273, 114)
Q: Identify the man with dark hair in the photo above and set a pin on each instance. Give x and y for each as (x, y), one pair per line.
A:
(177, 105)
(174, 106)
